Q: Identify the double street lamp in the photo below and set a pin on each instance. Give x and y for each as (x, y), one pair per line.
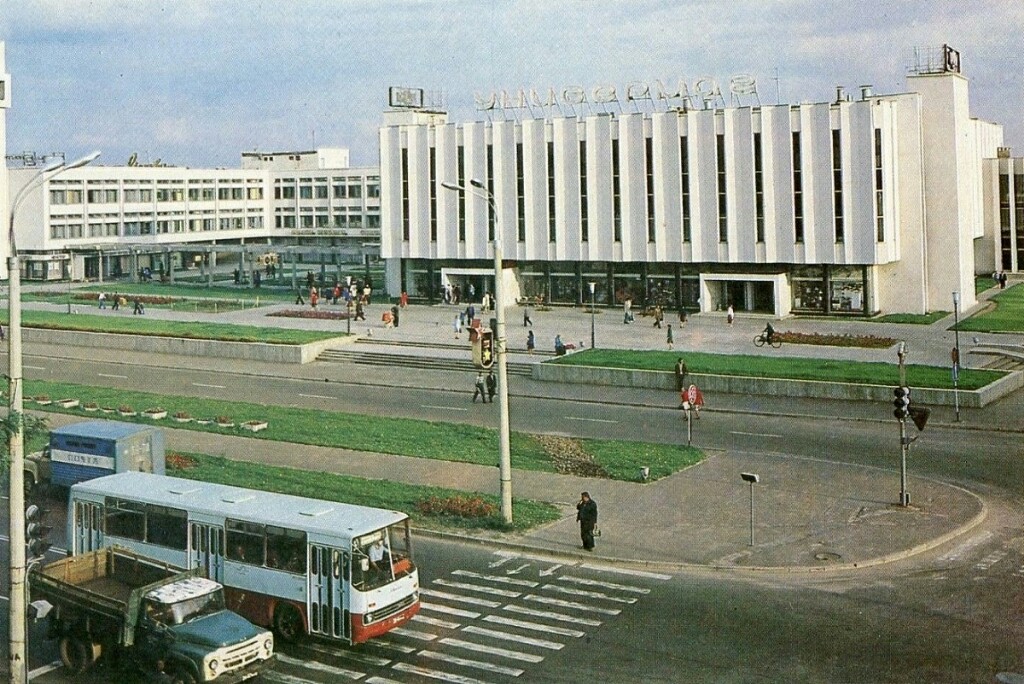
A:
(593, 286)
(16, 440)
(477, 188)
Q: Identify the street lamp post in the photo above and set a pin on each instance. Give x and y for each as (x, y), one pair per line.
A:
(956, 354)
(593, 286)
(18, 646)
(478, 188)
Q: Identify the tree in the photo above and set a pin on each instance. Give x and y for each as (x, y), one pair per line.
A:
(31, 427)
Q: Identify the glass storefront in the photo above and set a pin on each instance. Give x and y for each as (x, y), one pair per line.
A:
(808, 283)
(846, 289)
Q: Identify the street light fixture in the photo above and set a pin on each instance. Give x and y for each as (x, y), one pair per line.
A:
(16, 440)
(956, 353)
(751, 479)
(478, 188)
(593, 286)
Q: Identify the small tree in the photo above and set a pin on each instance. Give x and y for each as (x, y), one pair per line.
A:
(31, 427)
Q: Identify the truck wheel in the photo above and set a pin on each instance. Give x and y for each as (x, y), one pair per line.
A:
(76, 655)
(288, 622)
(182, 675)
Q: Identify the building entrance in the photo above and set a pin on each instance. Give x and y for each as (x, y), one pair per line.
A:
(751, 296)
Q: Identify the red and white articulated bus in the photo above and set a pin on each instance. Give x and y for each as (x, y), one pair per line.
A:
(299, 565)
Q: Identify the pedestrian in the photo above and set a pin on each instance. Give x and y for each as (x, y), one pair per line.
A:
(336, 293)
(457, 325)
(117, 302)
(527, 321)
(559, 346)
(472, 292)
(480, 388)
(1002, 280)
(360, 313)
(102, 299)
(669, 338)
(730, 315)
(470, 313)
(659, 316)
(298, 296)
(394, 314)
(403, 299)
(485, 301)
(682, 317)
(627, 311)
(314, 297)
(681, 372)
(492, 386)
(531, 342)
(586, 514)
(139, 309)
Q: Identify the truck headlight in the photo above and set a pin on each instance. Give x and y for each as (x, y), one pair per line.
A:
(213, 665)
(268, 646)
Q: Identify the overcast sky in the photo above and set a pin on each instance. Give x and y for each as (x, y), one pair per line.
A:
(195, 83)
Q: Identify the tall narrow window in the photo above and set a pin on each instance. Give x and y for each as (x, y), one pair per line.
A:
(1005, 229)
(551, 191)
(520, 194)
(433, 194)
(491, 218)
(649, 163)
(758, 189)
(584, 224)
(723, 204)
(798, 191)
(460, 176)
(684, 179)
(405, 193)
(616, 196)
(837, 185)
(879, 189)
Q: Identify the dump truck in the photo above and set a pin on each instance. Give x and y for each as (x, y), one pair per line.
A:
(94, 448)
(147, 615)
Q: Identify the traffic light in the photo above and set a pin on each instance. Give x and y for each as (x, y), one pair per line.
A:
(483, 349)
(902, 403)
(37, 531)
(919, 414)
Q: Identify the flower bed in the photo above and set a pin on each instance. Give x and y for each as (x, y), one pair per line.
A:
(313, 314)
(91, 406)
(42, 400)
(225, 422)
(155, 413)
(68, 403)
(866, 341)
(254, 425)
(126, 411)
(181, 417)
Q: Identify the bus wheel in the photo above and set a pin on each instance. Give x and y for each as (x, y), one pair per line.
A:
(76, 655)
(288, 622)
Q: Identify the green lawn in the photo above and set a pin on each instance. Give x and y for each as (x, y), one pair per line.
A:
(140, 325)
(401, 436)
(982, 283)
(1006, 316)
(191, 290)
(787, 368)
(914, 319)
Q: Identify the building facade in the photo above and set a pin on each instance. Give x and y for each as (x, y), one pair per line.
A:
(858, 205)
(1003, 246)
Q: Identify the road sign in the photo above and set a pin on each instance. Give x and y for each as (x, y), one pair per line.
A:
(694, 396)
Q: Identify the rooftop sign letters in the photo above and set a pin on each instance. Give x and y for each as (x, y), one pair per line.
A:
(703, 93)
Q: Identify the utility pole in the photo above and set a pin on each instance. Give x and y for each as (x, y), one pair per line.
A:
(904, 443)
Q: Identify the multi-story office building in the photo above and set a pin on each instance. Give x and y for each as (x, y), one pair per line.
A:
(863, 204)
(1003, 247)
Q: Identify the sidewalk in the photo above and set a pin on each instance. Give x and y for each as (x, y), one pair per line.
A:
(806, 514)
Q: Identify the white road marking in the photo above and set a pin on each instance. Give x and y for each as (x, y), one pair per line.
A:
(516, 571)
(106, 375)
(42, 368)
(496, 578)
(504, 560)
(458, 612)
(317, 666)
(356, 656)
(476, 587)
(755, 434)
(443, 408)
(551, 615)
(626, 571)
(274, 676)
(493, 650)
(464, 599)
(588, 594)
(606, 585)
(959, 551)
(200, 384)
(466, 662)
(434, 674)
(414, 634)
(571, 604)
(549, 571)
(316, 396)
(447, 624)
(387, 645)
(382, 680)
(535, 626)
(518, 638)
(990, 560)
(40, 671)
(590, 420)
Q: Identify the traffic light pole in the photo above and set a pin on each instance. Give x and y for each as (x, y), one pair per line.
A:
(501, 352)
(904, 444)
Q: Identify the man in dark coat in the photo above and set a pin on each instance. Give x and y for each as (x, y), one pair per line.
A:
(492, 386)
(586, 513)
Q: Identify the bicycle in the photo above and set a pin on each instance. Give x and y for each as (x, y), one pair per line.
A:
(762, 340)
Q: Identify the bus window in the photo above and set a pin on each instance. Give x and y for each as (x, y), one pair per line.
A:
(245, 542)
(126, 519)
(286, 549)
(166, 526)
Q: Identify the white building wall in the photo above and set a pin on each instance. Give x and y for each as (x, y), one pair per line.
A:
(565, 136)
(391, 187)
(5, 185)
(739, 141)
(667, 189)
(600, 246)
(535, 176)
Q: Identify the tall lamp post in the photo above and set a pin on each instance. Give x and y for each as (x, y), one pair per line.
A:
(593, 286)
(18, 648)
(956, 353)
(478, 188)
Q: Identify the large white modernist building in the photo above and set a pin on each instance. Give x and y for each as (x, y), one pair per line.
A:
(868, 203)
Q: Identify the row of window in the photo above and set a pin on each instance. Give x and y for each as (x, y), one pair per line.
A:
(324, 221)
(616, 189)
(282, 191)
(62, 196)
(71, 231)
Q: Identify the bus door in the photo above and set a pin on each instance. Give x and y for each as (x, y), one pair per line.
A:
(88, 527)
(328, 606)
(206, 549)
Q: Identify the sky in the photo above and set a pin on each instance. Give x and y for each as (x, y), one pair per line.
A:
(195, 83)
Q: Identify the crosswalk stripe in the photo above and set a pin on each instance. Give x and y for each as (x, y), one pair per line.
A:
(434, 674)
(345, 654)
(317, 666)
(496, 578)
(476, 587)
(536, 626)
(466, 662)
(447, 624)
(493, 650)
(458, 612)
(959, 551)
(990, 560)
(383, 644)
(606, 585)
(518, 638)
(381, 680)
(626, 571)
(571, 604)
(275, 676)
(413, 634)
(464, 599)
(588, 594)
(551, 615)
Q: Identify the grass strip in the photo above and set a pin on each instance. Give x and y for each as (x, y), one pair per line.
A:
(377, 434)
(526, 513)
(911, 319)
(1006, 316)
(782, 368)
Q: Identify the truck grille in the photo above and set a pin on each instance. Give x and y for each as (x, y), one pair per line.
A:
(240, 655)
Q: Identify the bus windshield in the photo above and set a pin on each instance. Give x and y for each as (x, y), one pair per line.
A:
(381, 556)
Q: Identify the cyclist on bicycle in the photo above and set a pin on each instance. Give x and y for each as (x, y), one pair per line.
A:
(769, 333)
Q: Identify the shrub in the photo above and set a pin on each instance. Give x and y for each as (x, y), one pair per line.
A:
(125, 408)
(180, 462)
(182, 414)
(458, 506)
